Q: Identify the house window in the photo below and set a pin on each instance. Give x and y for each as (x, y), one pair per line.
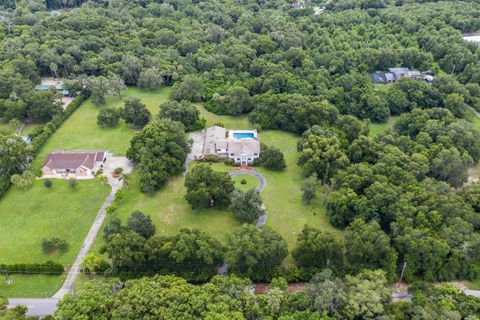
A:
(232, 154)
(218, 150)
(238, 159)
(255, 154)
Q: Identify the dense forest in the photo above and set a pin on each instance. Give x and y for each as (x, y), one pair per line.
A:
(399, 196)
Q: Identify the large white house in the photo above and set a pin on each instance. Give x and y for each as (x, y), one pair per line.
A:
(242, 146)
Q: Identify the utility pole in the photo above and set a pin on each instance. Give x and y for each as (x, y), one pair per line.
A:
(401, 275)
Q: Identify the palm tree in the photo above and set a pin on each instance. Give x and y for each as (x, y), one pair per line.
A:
(54, 69)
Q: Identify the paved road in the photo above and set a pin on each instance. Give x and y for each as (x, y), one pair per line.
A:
(97, 224)
(36, 307)
(43, 307)
(197, 143)
(262, 182)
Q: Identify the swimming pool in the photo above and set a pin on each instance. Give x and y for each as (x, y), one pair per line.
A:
(244, 135)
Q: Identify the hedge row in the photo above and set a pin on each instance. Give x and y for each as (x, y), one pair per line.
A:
(48, 267)
(40, 136)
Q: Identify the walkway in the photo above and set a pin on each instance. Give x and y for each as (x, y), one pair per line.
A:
(261, 179)
(92, 234)
(262, 183)
(47, 306)
(197, 140)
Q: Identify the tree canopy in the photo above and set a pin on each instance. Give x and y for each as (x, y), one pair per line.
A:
(159, 151)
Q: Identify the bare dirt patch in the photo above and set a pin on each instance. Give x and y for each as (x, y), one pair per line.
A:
(472, 175)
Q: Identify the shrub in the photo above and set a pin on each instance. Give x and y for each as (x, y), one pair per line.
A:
(199, 124)
(32, 268)
(211, 158)
(99, 172)
(271, 157)
(119, 194)
(229, 162)
(48, 183)
(118, 170)
(72, 183)
(112, 208)
(54, 244)
(243, 181)
(36, 132)
(103, 266)
(108, 117)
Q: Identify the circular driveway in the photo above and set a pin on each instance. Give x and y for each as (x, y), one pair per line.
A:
(262, 182)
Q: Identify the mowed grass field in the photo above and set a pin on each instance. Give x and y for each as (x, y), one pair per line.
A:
(37, 213)
(29, 216)
(32, 285)
(26, 217)
(282, 196)
(81, 132)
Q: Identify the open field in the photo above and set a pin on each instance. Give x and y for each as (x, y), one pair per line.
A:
(282, 197)
(81, 131)
(230, 122)
(55, 211)
(377, 128)
(37, 213)
(252, 182)
(32, 286)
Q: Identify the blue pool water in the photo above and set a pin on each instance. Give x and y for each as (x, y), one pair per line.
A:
(243, 135)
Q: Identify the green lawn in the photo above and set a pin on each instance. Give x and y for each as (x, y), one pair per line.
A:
(282, 197)
(252, 182)
(230, 122)
(470, 116)
(81, 131)
(31, 286)
(473, 285)
(37, 213)
(4, 126)
(377, 128)
(29, 216)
